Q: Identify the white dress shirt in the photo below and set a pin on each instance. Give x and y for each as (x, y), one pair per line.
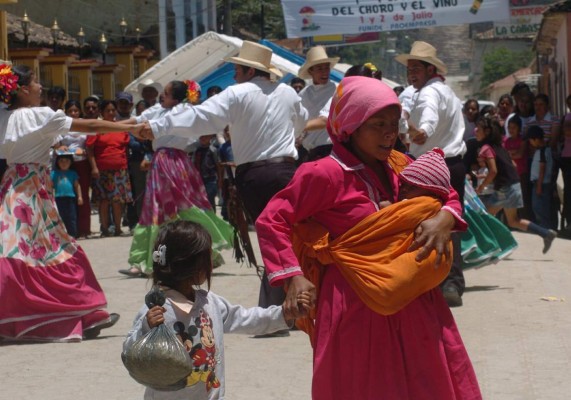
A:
(26, 134)
(171, 141)
(264, 119)
(314, 98)
(437, 111)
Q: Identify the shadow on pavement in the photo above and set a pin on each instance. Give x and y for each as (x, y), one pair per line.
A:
(485, 288)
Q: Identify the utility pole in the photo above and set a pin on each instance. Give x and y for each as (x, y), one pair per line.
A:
(262, 26)
(228, 17)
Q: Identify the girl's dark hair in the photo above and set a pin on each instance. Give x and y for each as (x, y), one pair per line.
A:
(506, 96)
(543, 97)
(104, 103)
(179, 89)
(61, 156)
(57, 91)
(467, 103)
(492, 126)
(516, 120)
(187, 256)
(487, 109)
(71, 103)
(25, 75)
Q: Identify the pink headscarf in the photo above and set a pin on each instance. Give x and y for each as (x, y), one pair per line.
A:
(356, 99)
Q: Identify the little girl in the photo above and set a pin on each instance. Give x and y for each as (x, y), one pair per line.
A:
(67, 190)
(181, 262)
(507, 189)
(515, 145)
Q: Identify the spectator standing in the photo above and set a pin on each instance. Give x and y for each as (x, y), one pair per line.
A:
(507, 194)
(297, 84)
(74, 142)
(265, 117)
(565, 163)
(107, 155)
(436, 120)
(226, 158)
(205, 159)
(141, 106)
(56, 97)
(317, 67)
(67, 191)
(505, 108)
(541, 177)
(515, 145)
(91, 107)
(471, 111)
(139, 157)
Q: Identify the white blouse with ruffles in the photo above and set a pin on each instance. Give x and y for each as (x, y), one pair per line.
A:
(26, 134)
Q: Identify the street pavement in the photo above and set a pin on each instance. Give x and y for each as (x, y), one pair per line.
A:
(519, 343)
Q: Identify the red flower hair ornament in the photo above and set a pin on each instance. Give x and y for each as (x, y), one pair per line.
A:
(8, 83)
(193, 92)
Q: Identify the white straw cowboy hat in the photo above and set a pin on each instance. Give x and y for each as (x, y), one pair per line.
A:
(256, 56)
(316, 55)
(149, 82)
(423, 51)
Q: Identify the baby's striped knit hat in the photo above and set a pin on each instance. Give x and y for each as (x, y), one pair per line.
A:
(430, 172)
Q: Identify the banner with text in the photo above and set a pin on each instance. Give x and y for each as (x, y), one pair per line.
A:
(524, 22)
(325, 17)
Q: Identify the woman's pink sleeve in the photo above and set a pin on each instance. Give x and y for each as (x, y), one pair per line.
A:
(308, 192)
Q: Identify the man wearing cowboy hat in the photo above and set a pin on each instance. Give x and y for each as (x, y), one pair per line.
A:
(149, 91)
(265, 118)
(436, 120)
(317, 67)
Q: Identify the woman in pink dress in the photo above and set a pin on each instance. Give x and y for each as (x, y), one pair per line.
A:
(415, 353)
(48, 291)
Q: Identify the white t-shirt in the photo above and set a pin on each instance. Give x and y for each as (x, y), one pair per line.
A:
(204, 323)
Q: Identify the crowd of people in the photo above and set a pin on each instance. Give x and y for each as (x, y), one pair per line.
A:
(345, 184)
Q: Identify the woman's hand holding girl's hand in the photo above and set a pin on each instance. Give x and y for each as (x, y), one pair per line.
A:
(155, 316)
(305, 303)
(299, 289)
(433, 234)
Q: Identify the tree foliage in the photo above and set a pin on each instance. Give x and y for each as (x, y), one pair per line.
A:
(247, 17)
(501, 62)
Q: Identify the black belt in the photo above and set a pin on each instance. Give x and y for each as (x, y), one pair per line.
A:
(453, 159)
(261, 163)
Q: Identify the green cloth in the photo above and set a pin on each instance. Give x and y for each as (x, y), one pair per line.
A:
(141, 253)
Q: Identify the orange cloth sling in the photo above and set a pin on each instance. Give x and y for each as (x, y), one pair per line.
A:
(373, 257)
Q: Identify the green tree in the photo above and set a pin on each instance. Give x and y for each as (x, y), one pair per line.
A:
(247, 18)
(501, 62)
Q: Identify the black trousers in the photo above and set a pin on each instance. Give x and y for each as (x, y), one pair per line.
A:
(256, 186)
(457, 176)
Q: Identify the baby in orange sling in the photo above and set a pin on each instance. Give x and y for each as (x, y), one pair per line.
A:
(374, 255)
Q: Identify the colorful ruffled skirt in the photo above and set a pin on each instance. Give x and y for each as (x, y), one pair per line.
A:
(487, 239)
(174, 191)
(48, 290)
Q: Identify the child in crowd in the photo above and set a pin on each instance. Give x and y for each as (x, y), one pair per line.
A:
(471, 111)
(540, 176)
(515, 145)
(67, 191)
(205, 159)
(481, 174)
(181, 263)
(507, 189)
(225, 171)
